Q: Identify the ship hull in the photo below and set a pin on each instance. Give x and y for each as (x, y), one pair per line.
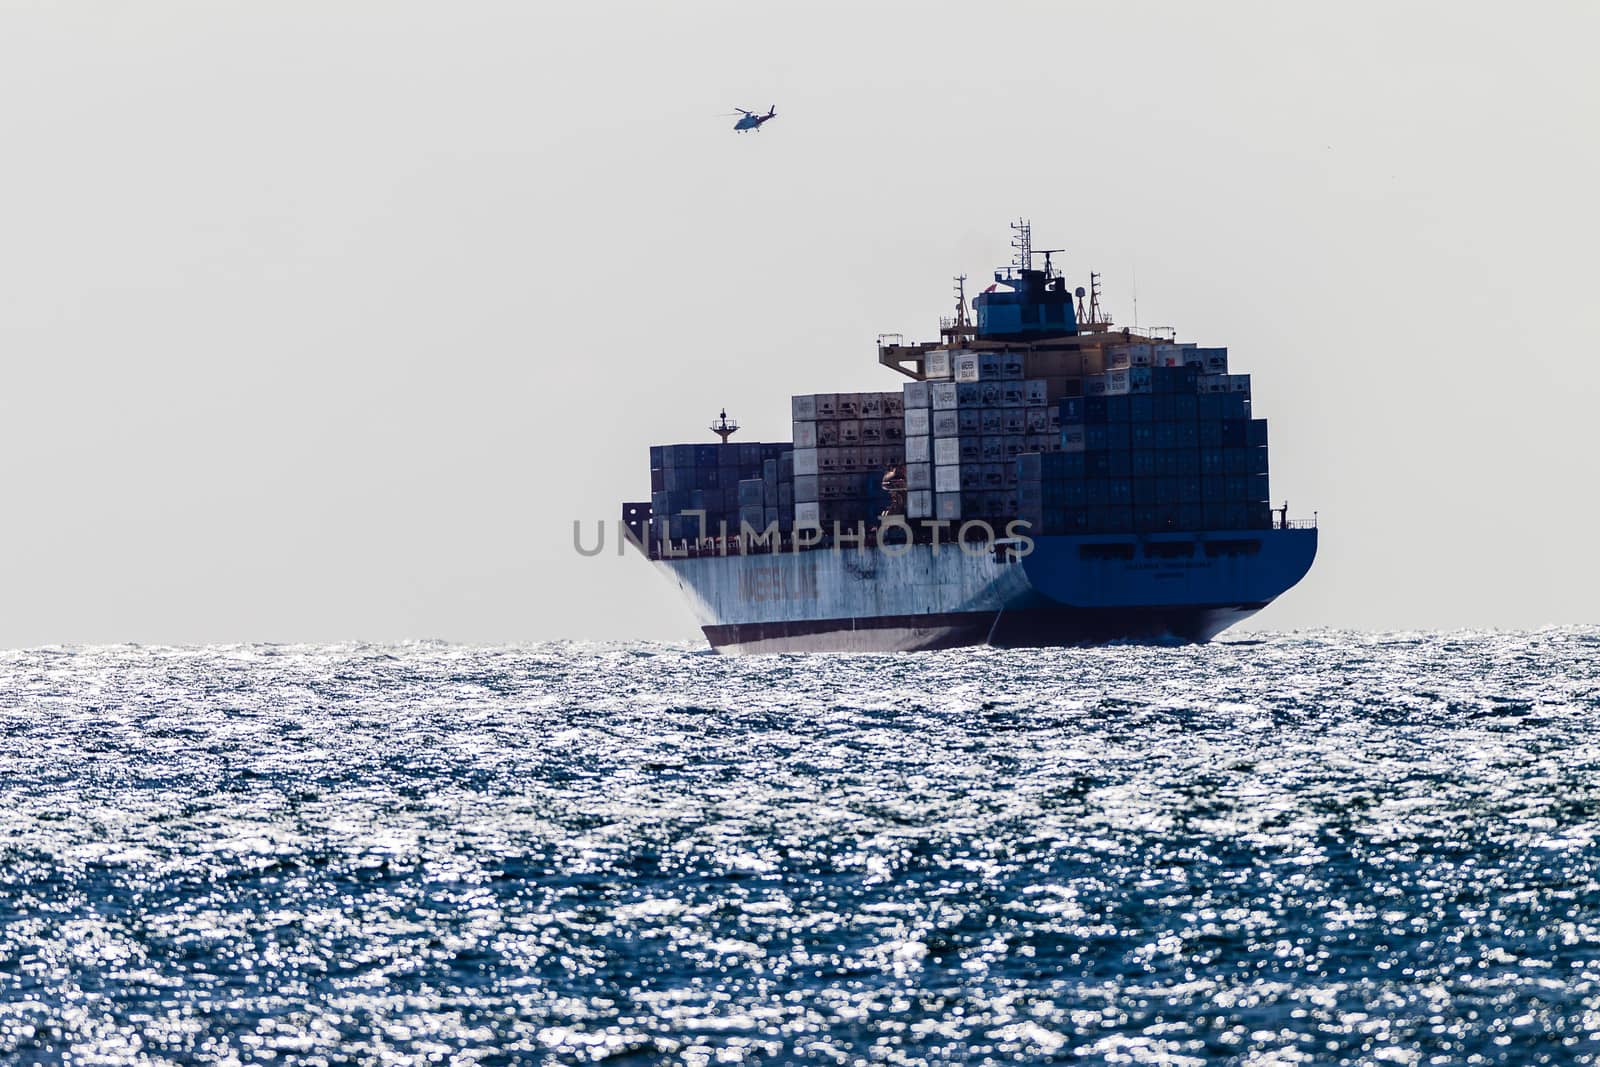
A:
(1066, 591)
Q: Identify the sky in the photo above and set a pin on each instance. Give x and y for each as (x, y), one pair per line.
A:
(325, 321)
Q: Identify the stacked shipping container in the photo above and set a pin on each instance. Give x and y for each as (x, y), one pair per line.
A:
(1136, 437)
(844, 443)
(963, 436)
(750, 481)
(1162, 441)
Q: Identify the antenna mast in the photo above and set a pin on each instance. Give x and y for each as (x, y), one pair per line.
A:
(1095, 314)
(1022, 241)
(961, 302)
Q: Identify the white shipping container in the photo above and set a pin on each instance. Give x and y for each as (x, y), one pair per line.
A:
(943, 395)
(914, 395)
(849, 405)
(919, 504)
(805, 462)
(1238, 383)
(947, 451)
(1012, 395)
(936, 364)
(872, 405)
(1036, 393)
(947, 505)
(1010, 365)
(918, 449)
(946, 424)
(894, 405)
(1037, 420)
(919, 475)
(827, 405)
(805, 434)
(964, 366)
(808, 513)
(947, 479)
(804, 408)
(919, 422)
(849, 431)
(1215, 360)
(806, 488)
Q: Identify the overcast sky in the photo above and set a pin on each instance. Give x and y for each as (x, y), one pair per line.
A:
(324, 320)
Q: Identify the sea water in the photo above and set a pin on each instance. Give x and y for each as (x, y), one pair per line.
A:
(1309, 848)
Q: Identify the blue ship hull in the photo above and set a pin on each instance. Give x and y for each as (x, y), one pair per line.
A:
(1070, 590)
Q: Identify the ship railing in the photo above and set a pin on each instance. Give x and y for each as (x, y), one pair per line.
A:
(785, 542)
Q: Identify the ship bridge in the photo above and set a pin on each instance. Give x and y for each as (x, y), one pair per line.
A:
(1025, 305)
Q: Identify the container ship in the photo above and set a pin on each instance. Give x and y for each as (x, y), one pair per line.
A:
(1040, 477)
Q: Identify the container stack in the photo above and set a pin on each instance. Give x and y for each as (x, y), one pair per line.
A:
(726, 481)
(963, 436)
(844, 444)
(1153, 445)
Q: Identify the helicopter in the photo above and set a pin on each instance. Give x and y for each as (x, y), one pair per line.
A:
(752, 121)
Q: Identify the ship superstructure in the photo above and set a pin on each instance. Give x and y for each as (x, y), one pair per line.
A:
(1040, 477)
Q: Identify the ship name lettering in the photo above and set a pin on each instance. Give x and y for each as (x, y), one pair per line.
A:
(760, 584)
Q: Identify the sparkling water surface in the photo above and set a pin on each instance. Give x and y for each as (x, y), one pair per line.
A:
(1310, 848)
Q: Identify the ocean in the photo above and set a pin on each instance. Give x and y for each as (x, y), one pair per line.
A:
(1320, 847)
